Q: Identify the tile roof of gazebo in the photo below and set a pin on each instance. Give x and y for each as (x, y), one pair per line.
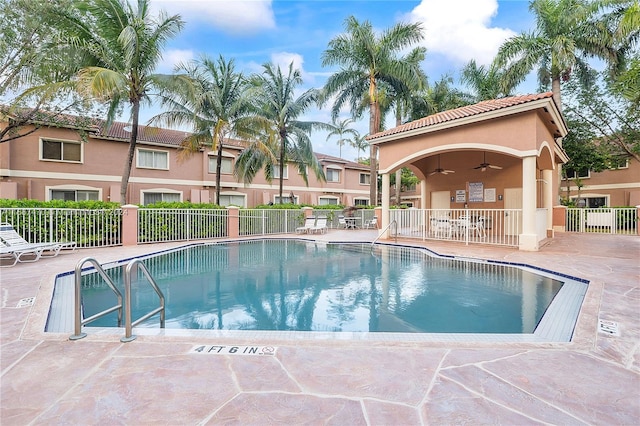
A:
(462, 112)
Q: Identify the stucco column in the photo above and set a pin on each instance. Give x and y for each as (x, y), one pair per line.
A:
(529, 238)
(547, 199)
(129, 225)
(423, 194)
(233, 222)
(385, 204)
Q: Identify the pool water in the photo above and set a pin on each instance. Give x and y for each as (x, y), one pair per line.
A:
(312, 286)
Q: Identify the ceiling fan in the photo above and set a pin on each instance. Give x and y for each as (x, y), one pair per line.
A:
(440, 169)
(484, 165)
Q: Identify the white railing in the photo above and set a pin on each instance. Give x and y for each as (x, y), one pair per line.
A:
(88, 228)
(269, 221)
(622, 220)
(481, 226)
(166, 225)
(361, 216)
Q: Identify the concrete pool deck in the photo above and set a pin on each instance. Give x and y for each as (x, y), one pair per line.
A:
(594, 379)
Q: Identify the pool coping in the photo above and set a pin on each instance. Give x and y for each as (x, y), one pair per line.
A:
(557, 325)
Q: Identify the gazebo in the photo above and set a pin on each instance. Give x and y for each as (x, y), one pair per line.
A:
(506, 154)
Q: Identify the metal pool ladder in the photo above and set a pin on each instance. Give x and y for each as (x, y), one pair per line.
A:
(129, 324)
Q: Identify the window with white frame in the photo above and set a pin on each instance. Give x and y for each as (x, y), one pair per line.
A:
(66, 151)
(152, 159)
(226, 166)
(325, 201)
(152, 197)
(365, 179)
(617, 163)
(286, 199)
(74, 195)
(232, 200)
(591, 202)
(332, 175)
(360, 202)
(276, 171)
(573, 174)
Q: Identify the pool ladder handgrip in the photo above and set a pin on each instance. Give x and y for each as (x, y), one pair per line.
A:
(129, 324)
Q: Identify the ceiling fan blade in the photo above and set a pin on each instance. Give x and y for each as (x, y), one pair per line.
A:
(433, 173)
(495, 167)
(483, 169)
(477, 168)
(449, 171)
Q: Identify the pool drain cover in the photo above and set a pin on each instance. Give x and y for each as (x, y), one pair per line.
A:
(27, 301)
(608, 327)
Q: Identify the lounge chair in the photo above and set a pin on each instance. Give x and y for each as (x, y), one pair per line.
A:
(342, 223)
(309, 223)
(371, 224)
(13, 240)
(17, 254)
(320, 226)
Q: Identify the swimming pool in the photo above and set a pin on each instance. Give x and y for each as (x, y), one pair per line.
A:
(292, 285)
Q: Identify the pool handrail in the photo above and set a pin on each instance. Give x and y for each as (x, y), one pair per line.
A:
(385, 229)
(79, 322)
(129, 336)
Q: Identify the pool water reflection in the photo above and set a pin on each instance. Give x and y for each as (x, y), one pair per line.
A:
(312, 286)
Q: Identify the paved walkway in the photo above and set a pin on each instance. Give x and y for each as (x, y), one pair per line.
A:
(595, 379)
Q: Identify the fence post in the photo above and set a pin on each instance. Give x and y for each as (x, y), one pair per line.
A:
(559, 219)
(233, 222)
(129, 225)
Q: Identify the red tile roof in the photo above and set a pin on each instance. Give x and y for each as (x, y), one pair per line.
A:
(462, 112)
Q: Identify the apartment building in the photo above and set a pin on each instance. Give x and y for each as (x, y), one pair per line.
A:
(73, 161)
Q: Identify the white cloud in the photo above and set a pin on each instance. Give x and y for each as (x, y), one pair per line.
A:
(460, 29)
(231, 16)
(283, 59)
(173, 57)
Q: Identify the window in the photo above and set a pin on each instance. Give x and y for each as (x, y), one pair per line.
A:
(590, 202)
(325, 201)
(226, 166)
(619, 163)
(365, 179)
(360, 202)
(572, 174)
(232, 200)
(61, 151)
(148, 159)
(74, 195)
(160, 197)
(333, 175)
(286, 199)
(276, 171)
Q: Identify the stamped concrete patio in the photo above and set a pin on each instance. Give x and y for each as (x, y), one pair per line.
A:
(595, 379)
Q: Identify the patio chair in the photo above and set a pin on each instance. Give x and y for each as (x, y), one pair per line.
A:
(320, 226)
(13, 240)
(17, 254)
(371, 224)
(342, 223)
(309, 223)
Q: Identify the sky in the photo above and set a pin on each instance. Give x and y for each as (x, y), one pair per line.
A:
(255, 32)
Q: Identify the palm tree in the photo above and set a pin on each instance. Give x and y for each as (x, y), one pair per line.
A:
(439, 97)
(285, 138)
(210, 98)
(340, 129)
(359, 142)
(562, 41)
(367, 60)
(124, 43)
(486, 82)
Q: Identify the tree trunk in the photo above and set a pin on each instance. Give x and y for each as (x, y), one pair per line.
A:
(135, 113)
(218, 169)
(373, 196)
(283, 140)
(555, 88)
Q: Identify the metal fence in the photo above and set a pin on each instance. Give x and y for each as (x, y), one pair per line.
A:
(88, 228)
(264, 222)
(361, 216)
(166, 225)
(484, 226)
(607, 220)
